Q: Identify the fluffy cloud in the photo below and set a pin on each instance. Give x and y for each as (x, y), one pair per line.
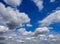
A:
(51, 36)
(28, 25)
(41, 30)
(24, 32)
(3, 28)
(13, 2)
(26, 38)
(39, 4)
(43, 39)
(52, 18)
(28, 33)
(13, 17)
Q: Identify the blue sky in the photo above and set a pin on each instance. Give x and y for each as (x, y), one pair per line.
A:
(30, 8)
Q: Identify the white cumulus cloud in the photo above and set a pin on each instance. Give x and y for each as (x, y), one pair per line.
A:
(14, 17)
(41, 30)
(13, 2)
(24, 32)
(3, 28)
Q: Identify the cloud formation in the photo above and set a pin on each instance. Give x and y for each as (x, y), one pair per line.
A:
(13, 3)
(39, 4)
(52, 18)
(38, 31)
(13, 17)
(26, 39)
(41, 30)
(3, 28)
(28, 25)
(24, 32)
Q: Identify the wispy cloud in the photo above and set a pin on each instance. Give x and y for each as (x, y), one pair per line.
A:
(52, 0)
(39, 4)
(52, 18)
(13, 3)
